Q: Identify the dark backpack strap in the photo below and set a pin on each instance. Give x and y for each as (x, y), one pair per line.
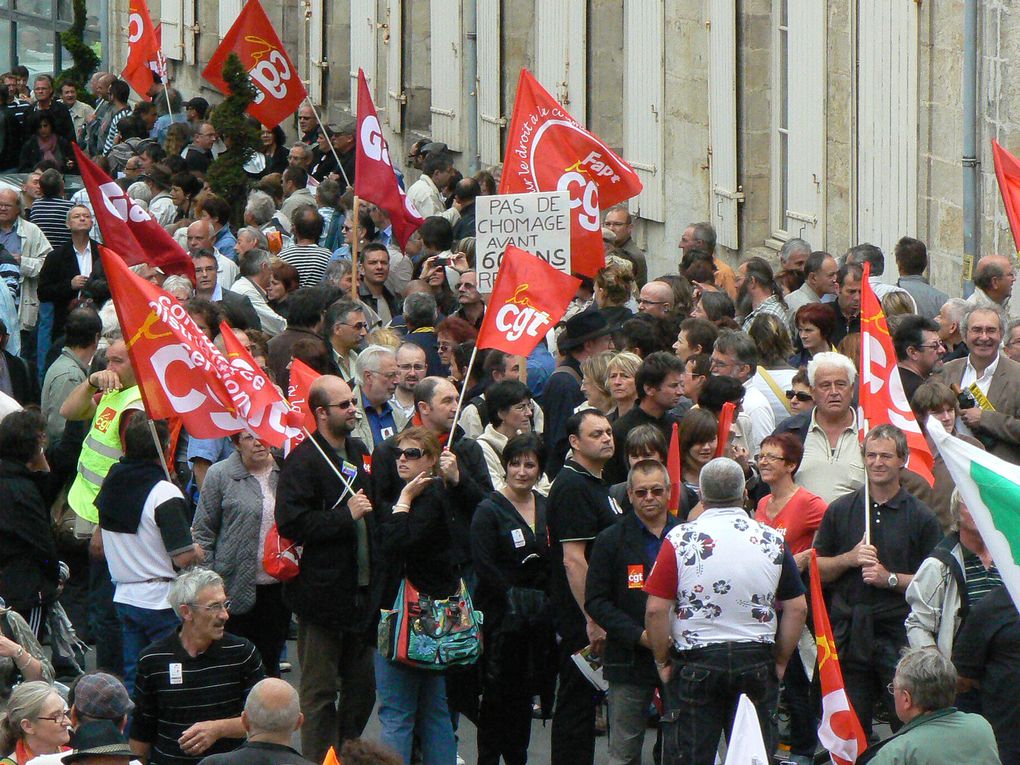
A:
(943, 552)
(570, 371)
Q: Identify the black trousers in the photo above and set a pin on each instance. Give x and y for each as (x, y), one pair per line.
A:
(266, 625)
(866, 684)
(573, 724)
(504, 724)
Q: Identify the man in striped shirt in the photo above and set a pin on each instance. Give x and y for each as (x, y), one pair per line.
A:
(305, 254)
(191, 687)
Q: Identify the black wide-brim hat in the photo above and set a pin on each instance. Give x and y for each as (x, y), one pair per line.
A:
(582, 327)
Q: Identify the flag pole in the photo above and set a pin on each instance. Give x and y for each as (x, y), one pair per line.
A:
(333, 467)
(867, 491)
(159, 449)
(332, 148)
(355, 236)
(169, 108)
(463, 390)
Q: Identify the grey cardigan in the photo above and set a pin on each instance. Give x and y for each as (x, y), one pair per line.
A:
(227, 526)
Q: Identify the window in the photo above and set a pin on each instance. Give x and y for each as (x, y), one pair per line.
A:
(30, 34)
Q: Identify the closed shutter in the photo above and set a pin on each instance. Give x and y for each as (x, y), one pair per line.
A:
(395, 98)
(229, 10)
(316, 50)
(644, 77)
(190, 31)
(172, 28)
(722, 120)
(363, 46)
(490, 118)
(805, 166)
(561, 35)
(447, 25)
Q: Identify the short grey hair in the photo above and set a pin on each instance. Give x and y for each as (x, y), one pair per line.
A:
(892, 433)
(983, 308)
(929, 678)
(740, 345)
(269, 719)
(186, 587)
(722, 483)
(176, 281)
(956, 309)
(255, 233)
(335, 271)
(955, 503)
(792, 247)
(260, 207)
(1011, 326)
(830, 359)
(253, 261)
(368, 359)
(71, 209)
(648, 466)
(420, 309)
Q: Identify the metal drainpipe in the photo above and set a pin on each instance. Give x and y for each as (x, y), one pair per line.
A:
(971, 240)
(470, 84)
(104, 35)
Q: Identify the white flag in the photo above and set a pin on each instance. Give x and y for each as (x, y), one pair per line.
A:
(746, 745)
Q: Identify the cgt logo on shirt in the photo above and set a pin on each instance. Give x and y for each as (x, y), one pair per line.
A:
(103, 421)
(635, 577)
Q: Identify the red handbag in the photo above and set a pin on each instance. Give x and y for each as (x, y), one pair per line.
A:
(281, 558)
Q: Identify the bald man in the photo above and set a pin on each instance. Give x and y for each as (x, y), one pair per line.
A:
(656, 300)
(993, 283)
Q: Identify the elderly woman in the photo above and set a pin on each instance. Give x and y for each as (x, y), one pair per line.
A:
(510, 409)
(236, 509)
(620, 373)
(36, 723)
(510, 549)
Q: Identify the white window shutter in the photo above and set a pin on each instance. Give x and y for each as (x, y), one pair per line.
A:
(644, 78)
(172, 29)
(447, 32)
(316, 50)
(395, 98)
(229, 10)
(806, 122)
(490, 119)
(363, 46)
(561, 37)
(190, 31)
(722, 120)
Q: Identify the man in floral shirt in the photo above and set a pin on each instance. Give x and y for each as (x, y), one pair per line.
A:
(712, 618)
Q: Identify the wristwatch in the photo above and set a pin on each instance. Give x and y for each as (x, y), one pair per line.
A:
(893, 581)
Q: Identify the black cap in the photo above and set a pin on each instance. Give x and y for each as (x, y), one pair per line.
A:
(581, 328)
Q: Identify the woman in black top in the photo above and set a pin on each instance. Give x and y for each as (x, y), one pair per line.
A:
(417, 542)
(510, 549)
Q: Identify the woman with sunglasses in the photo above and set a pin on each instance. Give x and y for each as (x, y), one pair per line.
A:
(510, 549)
(799, 393)
(36, 723)
(417, 543)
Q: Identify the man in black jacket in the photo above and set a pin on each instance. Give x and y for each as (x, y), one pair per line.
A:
(623, 555)
(331, 594)
(237, 307)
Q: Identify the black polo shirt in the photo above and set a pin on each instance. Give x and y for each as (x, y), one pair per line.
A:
(579, 508)
(903, 529)
(618, 467)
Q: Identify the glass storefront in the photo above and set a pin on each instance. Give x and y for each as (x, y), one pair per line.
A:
(30, 34)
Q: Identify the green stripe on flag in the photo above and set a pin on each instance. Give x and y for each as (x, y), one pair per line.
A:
(1002, 498)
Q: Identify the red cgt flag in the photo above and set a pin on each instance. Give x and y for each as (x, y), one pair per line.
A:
(179, 370)
(673, 467)
(528, 298)
(725, 424)
(882, 398)
(125, 225)
(278, 89)
(840, 731)
(301, 378)
(1007, 171)
(145, 58)
(548, 150)
(374, 179)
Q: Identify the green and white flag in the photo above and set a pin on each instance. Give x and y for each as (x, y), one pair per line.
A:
(990, 488)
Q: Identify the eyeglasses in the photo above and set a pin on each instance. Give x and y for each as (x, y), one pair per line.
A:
(341, 404)
(932, 346)
(409, 454)
(891, 688)
(524, 406)
(445, 346)
(214, 607)
(359, 326)
(763, 457)
(387, 375)
(655, 491)
(642, 301)
(411, 367)
(799, 395)
(59, 717)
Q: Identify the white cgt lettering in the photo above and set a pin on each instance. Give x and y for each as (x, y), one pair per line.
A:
(134, 28)
(162, 360)
(588, 200)
(372, 140)
(270, 76)
(515, 321)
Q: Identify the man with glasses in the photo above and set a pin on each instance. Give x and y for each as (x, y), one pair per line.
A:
(412, 368)
(236, 306)
(308, 126)
(993, 283)
(192, 684)
(918, 351)
(346, 328)
(1011, 343)
(42, 91)
(736, 355)
(993, 381)
(377, 418)
(331, 594)
(619, 221)
(198, 154)
(656, 300)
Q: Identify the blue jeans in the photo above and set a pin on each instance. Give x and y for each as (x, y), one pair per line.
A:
(410, 700)
(702, 694)
(141, 627)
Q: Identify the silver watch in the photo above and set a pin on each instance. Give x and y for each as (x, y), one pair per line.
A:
(893, 581)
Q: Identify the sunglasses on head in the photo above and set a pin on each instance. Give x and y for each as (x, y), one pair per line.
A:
(412, 454)
(799, 395)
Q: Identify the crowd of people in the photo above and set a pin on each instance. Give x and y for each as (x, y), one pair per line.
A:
(546, 503)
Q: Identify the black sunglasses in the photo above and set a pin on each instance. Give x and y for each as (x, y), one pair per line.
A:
(412, 454)
(799, 395)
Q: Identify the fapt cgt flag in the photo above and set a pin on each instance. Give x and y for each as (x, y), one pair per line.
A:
(278, 89)
(528, 298)
(990, 488)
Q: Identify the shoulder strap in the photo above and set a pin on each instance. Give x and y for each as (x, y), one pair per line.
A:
(569, 370)
(780, 393)
(946, 556)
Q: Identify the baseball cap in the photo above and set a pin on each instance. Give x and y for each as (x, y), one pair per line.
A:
(101, 696)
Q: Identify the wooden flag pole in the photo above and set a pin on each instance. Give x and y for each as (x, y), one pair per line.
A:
(867, 491)
(329, 141)
(355, 236)
(336, 472)
(460, 399)
(159, 448)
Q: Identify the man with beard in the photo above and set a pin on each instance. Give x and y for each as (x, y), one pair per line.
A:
(411, 366)
(918, 351)
(758, 293)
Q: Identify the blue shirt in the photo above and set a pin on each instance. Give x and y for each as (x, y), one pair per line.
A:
(380, 420)
(10, 240)
(226, 243)
(540, 366)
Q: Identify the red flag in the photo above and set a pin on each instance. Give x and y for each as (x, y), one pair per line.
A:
(374, 179)
(125, 225)
(548, 150)
(301, 378)
(1007, 171)
(840, 731)
(528, 298)
(675, 471)
(725, 423)
(278, 89)
(178, 369)
(882, 398)
(331, 758)
(144, 55)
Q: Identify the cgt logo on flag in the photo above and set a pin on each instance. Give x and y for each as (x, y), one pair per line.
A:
(268, 68)
(518, 316)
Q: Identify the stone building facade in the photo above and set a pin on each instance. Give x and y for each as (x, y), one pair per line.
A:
(836, 120)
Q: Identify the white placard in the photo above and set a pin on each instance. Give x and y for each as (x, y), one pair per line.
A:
(538, 223)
